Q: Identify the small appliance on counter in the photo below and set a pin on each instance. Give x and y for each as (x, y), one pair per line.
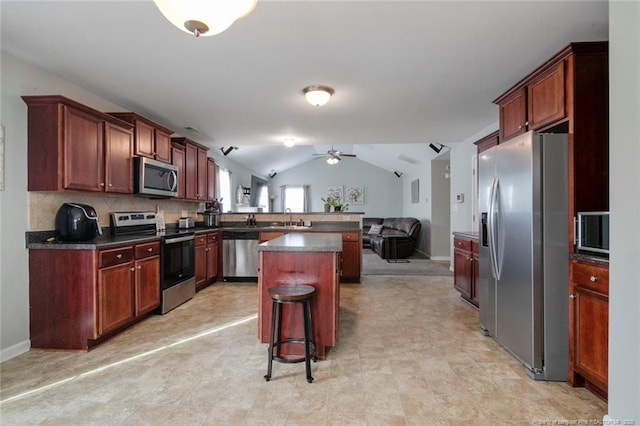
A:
(77, 222)
(185, 223)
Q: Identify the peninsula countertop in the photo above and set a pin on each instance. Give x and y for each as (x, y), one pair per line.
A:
(304, 242)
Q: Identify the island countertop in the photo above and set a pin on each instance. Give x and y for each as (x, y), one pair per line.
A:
(304, 242)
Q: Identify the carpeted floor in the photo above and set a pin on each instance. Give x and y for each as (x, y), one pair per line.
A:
(372, 264)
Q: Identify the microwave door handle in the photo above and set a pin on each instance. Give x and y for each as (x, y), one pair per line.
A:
(173, 176)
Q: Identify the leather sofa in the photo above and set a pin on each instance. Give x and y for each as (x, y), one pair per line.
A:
(404, 230)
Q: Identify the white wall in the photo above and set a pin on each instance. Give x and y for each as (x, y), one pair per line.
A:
(382, 189)
(624, 203)
(19, 78)
(440, 209)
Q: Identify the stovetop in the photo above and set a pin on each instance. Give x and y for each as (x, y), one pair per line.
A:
(141, 224)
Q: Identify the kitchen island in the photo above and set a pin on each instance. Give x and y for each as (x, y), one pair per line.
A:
(302, 258)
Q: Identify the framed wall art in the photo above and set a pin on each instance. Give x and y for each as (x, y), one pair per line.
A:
(355, 195)
(336, 192)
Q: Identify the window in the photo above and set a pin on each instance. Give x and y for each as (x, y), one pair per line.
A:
(224, 181)
(295, 197)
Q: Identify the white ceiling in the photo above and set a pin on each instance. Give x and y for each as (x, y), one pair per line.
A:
(405, 73)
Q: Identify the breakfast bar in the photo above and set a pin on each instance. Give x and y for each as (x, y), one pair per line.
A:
(302, 258)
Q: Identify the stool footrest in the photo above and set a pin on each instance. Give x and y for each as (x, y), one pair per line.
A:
(285, 360)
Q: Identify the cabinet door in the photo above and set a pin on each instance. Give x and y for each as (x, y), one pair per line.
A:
(118, 159)
(144, 139)
(212, 170)
(269, 235)
(200, 264)
(591, 334)
(163, 146)
(513, 115)
(83, 151)
(212, 260)
(115, 297)
(545, 98)
(178, 159)
(462, 272)
(191, 172)
(202, 174)
(147, 284)
(350, 260)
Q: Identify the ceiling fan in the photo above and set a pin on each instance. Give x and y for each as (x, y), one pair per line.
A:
(334, 156)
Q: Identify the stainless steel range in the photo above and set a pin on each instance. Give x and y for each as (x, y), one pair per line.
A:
(177, 272)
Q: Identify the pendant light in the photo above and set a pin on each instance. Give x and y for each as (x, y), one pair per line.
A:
(204, 18)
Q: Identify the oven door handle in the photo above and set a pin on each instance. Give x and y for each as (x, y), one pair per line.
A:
(179, 239)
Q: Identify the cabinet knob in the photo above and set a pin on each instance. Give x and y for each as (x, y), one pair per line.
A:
(593, 278)
(132, 269)
(102, 184)
(119, 255)
(139, 267)
(519, 127)
(110, 185)
(572, 296)
(150, 249)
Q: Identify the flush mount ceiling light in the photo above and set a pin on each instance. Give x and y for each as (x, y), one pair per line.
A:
(206, 18)
(317, 95)
(289, 142)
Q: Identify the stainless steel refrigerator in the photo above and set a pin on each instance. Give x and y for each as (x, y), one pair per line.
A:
(523, 275)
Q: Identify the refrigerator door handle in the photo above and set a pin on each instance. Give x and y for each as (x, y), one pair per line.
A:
(493, 212)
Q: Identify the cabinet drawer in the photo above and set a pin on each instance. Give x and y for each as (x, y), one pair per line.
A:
(462, 244)
(213, 237)
(350, 236)
(147, 249)
(595, 277)
(200, 240)
(115, 256)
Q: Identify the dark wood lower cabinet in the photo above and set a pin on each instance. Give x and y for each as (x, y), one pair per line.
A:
(208, 261)
(80, 297)
(589, 326)
(465, 267)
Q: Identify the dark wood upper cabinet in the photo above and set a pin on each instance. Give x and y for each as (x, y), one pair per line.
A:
(195, 169)
(72, 146)
(151, 139)
(487, 142)
(568, 93)
(178, 160)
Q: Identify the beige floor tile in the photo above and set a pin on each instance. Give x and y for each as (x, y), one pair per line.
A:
(409, 353)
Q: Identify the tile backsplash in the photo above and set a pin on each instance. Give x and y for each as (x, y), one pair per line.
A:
(43, 207)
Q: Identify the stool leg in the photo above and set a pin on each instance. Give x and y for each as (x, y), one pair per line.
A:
(278, 341)
(271, 340)
(306, 311)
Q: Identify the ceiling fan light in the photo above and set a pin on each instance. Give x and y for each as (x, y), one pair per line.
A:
(317, 95)
(333, 160)
(204, 18)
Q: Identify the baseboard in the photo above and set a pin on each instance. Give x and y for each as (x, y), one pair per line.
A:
(440, 258)
(15, 350)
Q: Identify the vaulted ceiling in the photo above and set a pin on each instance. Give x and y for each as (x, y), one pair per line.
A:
(405, 73)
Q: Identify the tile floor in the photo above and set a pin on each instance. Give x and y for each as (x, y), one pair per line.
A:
(409, 353)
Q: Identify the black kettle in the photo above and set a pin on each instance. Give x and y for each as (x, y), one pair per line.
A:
(77, 222)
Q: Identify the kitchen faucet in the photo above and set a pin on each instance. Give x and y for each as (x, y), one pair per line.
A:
(290, 215)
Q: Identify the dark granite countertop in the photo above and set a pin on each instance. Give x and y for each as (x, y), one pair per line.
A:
(304, 242)
(593, 258)
(467, 234)
(37, 240)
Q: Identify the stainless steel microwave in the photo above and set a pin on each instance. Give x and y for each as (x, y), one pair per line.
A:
(592, 230)
(155, 179)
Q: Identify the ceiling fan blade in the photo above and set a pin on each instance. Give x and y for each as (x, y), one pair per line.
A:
(348, 155)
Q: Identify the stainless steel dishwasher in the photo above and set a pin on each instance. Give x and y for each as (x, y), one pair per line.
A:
(240, 255)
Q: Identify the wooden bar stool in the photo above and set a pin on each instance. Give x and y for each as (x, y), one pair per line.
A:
(290, 294)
